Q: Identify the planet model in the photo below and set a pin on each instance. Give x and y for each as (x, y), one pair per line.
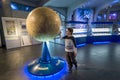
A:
(43, 24)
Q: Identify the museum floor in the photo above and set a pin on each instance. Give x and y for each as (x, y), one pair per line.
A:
(95, 62)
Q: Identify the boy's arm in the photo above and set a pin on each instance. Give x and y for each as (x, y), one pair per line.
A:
(64, 37)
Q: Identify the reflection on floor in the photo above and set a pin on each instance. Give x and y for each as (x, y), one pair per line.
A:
(95, 62)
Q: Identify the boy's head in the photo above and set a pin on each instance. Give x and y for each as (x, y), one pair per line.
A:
(69, 31)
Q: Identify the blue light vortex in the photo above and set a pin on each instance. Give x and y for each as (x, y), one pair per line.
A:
(55, 76)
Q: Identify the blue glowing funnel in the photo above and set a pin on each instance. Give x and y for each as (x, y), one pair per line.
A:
(45, 53)
(46, 65)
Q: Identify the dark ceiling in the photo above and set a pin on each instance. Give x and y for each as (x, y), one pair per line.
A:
(34, 2)
(69, 3)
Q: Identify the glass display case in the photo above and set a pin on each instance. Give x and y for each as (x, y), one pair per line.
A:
(118, 28)
(101, 28)
(79, 28)
(101, 31)
(79, 33)
(119, 31)
(82, 29)
(96, 32)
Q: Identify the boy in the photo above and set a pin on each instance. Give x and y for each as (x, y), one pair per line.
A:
(70, 46)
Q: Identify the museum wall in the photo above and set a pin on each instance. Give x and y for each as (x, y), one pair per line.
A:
(0, 29)
(7, 13)
(19, 14)
(16, 34)
(2, 41)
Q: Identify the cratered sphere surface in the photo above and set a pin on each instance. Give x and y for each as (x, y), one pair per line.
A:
(43, 24)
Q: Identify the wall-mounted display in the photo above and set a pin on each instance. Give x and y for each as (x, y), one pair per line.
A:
(15, 33)
(25, 39)
(81, 15)
(23, 30)
(23, 27)
(10, 28)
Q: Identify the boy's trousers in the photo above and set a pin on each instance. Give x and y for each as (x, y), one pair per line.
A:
(70, 57)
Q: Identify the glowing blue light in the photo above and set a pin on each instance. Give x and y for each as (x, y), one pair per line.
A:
(13, 6)
(99, 17)
(105, 42)
(27, 8)
(79, 45)
(114, 14)
(105, 16)
(55, 76)
(17, 6)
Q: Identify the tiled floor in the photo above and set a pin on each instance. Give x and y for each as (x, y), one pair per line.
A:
(95, 62)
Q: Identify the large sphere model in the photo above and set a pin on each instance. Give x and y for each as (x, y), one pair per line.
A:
(43, 24)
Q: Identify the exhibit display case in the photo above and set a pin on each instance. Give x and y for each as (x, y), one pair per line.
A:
(79, 33)
(95, 32)
(101, 28)
(79, 28)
